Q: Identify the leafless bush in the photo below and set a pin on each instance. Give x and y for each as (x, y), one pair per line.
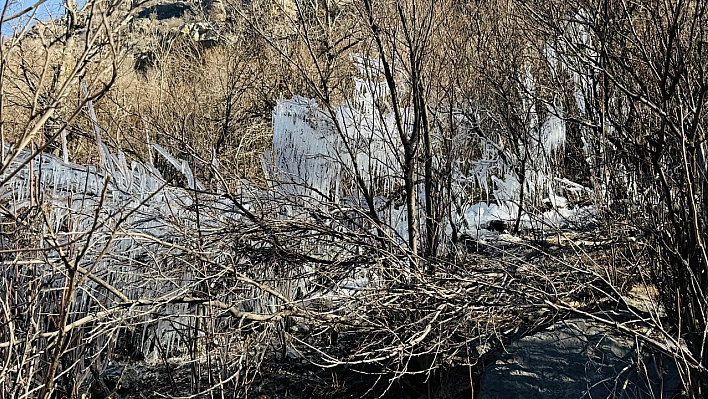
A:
(644, 114)
(108, 263)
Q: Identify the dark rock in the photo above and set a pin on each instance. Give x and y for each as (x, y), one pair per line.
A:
(144, 61)
(497, 225)
(165, 11)
(578, 359)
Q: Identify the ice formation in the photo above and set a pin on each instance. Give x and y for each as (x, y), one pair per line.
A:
(319, 155)
(322, 156)
(306, 149)
(134, 215)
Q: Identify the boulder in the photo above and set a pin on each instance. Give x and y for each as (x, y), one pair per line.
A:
(578, 359)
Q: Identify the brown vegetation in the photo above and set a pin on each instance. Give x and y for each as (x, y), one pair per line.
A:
(241, 279)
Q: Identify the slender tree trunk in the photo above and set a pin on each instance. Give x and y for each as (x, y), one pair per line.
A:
(431, 219)
(409, 142)
(411, 203)
(522, 195)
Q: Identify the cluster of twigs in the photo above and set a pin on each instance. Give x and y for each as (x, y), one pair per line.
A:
(223, 292)
(112, 264)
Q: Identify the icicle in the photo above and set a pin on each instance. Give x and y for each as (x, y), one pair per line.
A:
(553, 130)
(182, 166)
(64, 150)
(92, 114)
(306, 149)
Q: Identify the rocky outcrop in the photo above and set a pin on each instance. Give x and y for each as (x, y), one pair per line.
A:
(201, 32)
(165, 11)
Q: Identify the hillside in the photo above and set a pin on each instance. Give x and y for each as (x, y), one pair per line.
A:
(327, 199)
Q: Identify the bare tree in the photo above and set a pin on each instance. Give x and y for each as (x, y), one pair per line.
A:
(640, 72)
(110, 262)
(42, 65)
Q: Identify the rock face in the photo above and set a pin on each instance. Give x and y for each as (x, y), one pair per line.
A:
(578, 359)
(160, 11)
